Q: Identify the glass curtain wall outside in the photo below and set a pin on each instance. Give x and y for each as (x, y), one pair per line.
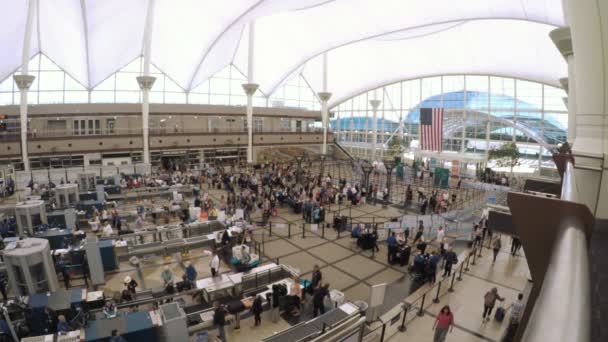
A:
(476, 107)
(53, 85)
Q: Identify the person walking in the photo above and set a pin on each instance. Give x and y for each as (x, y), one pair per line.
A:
(517, 309)
(450, 259)
(515, 245)
(444, 323)
(496, 245)
(489, 300)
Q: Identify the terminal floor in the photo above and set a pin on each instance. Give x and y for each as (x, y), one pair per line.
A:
(344, 266)
(509, 274)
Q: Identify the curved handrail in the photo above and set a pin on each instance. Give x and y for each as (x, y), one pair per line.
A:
(562, 311)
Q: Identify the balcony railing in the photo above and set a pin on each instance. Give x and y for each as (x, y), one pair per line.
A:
(562, 311)
(50, 133)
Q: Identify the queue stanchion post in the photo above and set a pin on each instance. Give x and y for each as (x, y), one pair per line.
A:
(403, 328)
(451, 289)
(323, 231)
(421, 311)
(474, 258)
(289, 230)
(270, 228)
(460, 273)
(303, 230)
(436, 299)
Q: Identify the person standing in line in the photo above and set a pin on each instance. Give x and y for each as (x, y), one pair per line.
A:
(450, 259)
(131, 285)
(432, 267)
(214, 263)
(317, 300)
(257, 309)
(515, 245)
(190, 273)
(477, 236)
(117, 337)
(391, 241)
(489, 300)
(166, 276)
(444, 323)
(219, 320)
(496, 245)
(315, 281)
(440, 239)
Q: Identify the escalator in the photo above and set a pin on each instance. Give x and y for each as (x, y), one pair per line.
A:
(340, 153)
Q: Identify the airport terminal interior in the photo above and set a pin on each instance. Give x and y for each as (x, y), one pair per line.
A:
(311, 170)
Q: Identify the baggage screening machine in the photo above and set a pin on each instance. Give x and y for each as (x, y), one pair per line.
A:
(30, 266)
(30, 214)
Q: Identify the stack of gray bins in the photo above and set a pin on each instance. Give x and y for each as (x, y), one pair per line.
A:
(174, 322)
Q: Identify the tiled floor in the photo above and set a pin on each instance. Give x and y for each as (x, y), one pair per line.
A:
(509, 275)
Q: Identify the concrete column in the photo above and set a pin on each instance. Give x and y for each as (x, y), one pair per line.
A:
(375, 104)
(23, 82)
(146, 81)
(145, 84)
(324, 96)
(250, 89)
(589, 45)
(562, 38)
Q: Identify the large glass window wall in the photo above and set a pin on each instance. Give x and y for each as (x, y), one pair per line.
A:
(481, 113)
(52, 85)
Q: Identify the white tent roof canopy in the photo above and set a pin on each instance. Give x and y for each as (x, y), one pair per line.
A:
(370, 42)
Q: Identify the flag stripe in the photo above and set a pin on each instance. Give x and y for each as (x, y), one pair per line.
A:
(431, 129)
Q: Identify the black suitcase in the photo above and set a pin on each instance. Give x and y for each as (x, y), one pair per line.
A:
(499, 315)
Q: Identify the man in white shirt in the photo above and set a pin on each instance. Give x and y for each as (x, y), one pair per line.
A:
(214, 264)
(107, 230)
(440, 235)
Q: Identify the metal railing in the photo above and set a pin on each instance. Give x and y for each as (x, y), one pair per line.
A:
(98, 132)
(565, 296)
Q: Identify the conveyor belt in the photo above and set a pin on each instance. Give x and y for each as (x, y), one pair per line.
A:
(297, 333)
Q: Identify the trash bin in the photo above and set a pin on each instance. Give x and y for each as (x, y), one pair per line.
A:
(362, 307)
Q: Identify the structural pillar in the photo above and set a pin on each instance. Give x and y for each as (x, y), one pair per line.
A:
(588, 45)
(324, 96)
(145, 84)
(562, 38)
(24, 82)
(250, 89)
(375, 104)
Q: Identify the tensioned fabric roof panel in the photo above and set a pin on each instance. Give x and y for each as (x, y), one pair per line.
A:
(498, 47)
(193, 39)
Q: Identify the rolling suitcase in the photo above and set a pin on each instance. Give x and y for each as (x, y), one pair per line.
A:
(499, 316)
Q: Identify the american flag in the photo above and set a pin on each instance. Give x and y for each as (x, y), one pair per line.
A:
(431, 129)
